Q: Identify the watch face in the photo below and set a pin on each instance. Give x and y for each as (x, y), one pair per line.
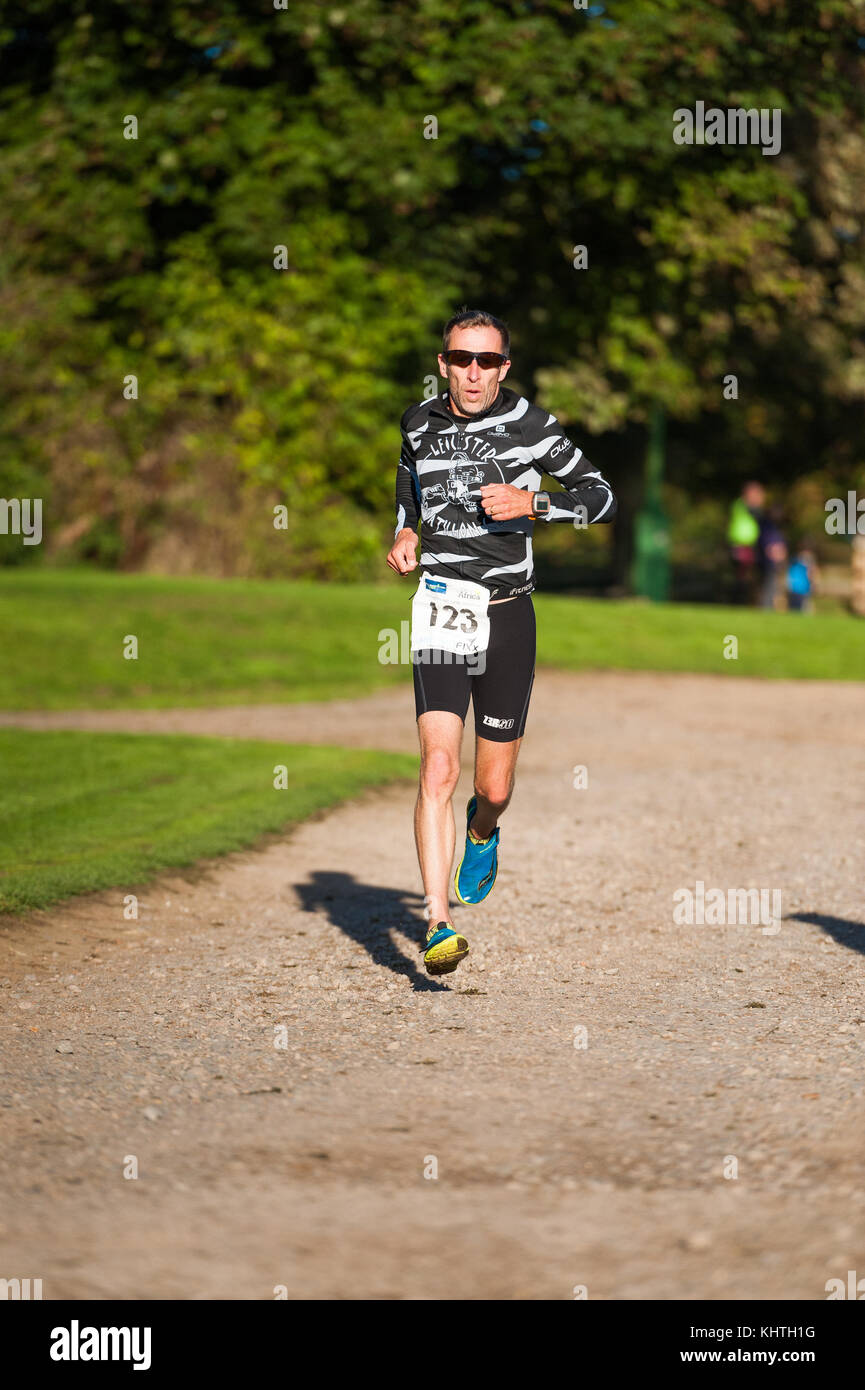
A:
(542, 503)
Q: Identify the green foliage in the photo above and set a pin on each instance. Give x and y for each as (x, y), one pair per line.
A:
(303, 127)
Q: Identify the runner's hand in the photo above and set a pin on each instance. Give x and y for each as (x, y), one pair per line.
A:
(403, 556)
(501, 502)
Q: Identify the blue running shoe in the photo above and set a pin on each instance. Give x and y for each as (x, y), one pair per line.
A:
(479, 865)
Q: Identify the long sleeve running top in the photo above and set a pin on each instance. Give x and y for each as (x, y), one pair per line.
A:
(445, 461)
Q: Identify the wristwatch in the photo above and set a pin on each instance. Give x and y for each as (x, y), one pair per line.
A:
(541, 503)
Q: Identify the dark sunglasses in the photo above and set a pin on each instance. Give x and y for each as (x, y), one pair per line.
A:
(459, 357)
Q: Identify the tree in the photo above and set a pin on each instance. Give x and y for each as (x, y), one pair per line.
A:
(411, 157)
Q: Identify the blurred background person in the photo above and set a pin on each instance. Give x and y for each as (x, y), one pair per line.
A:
(743, 536)
(771, 557)
(802, 576)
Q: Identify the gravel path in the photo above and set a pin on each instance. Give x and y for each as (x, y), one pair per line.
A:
(601, 1166)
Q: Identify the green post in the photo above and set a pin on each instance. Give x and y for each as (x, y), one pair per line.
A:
(650, 573)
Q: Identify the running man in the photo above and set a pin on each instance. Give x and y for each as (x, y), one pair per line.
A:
(471, 465)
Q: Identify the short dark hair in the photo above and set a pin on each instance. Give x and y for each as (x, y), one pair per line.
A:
(477, 318)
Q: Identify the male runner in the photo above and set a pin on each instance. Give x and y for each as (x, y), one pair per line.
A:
(472, 461)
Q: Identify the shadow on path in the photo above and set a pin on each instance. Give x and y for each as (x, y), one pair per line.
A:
(845, 932)
(367, 914)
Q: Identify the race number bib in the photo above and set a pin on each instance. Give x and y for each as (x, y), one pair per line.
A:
(450, 615)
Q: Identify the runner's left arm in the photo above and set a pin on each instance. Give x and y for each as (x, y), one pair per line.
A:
(587, 494)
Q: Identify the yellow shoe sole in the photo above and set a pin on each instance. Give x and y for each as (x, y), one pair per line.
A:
(446, 956)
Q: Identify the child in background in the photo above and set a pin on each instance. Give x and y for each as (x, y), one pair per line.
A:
(801, 580)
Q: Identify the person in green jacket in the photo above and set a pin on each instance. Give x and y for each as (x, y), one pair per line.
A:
(743, 531)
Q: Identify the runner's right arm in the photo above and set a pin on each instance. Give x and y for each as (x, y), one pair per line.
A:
(403, 554)
(407, 489)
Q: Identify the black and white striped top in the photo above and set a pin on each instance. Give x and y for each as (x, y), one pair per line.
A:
(446, 459)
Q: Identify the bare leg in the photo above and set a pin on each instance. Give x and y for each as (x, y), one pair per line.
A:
(495, 765)
(440, 734)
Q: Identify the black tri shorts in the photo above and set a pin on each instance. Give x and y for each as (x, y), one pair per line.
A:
(499, 686)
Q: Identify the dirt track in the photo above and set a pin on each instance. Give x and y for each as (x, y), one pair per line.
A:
(557, 1166)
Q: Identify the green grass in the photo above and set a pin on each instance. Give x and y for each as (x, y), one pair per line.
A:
(218, 642)
(81, 811)
(200, 641)
(577, 634)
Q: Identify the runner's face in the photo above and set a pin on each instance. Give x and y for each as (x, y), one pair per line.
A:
(472, 390)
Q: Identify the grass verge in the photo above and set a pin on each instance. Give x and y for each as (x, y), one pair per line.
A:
(82, 811)
(222, 642)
